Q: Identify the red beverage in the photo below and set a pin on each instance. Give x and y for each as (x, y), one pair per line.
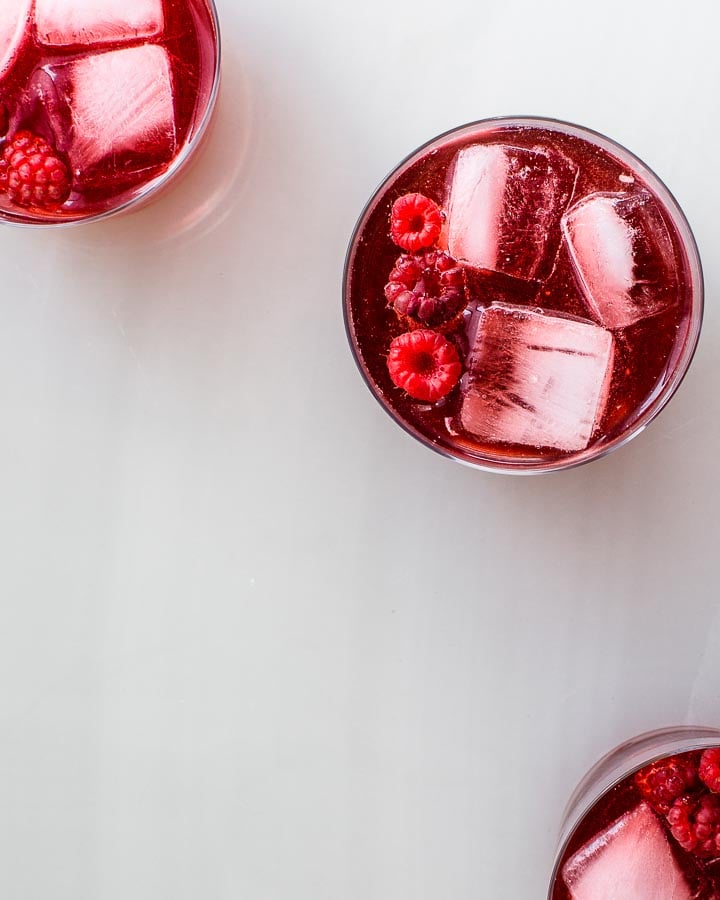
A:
(101, 101)
(645, 823)
(523, 295)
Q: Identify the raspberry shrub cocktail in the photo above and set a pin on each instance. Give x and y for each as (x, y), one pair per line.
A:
(523, 294)
(654, 834)
(101, 101)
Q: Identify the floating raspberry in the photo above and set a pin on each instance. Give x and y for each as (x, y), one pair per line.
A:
(661, 783)
(415, 222)
(32, 174)
(695, 824)
(710, 768)
(428, 289)
(424, 364)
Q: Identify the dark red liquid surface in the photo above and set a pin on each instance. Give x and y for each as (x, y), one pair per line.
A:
(189, 36)
(645, 353)
(702, 874)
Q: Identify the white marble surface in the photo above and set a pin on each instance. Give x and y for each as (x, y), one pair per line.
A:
(257, 643)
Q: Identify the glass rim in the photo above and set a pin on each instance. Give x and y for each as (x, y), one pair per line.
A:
(160, 181)
(520, 466)
(668, 742)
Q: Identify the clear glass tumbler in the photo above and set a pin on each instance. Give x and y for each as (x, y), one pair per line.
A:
(100, 106)
(541, 307)
(611, 810)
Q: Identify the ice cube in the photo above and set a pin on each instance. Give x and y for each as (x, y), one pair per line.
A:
(113, 108)
(504, 206)
(537, 379)
(14, 25)
(623, 256)
(65, 22)
(631, 860)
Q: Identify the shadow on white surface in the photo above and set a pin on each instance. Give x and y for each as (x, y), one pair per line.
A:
(202, 197)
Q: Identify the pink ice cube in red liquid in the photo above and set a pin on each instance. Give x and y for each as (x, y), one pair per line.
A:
(622, 254)
(629, 860)
(14, 25)
(504, 206)
(120, 102)
(536, 379)
(91, 22)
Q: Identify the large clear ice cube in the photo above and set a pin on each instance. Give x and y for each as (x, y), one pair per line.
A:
(537, 379)
(504, 206)
(67, 22)
(630, 860)
(112, 110)
(622, 254)
(14, 25)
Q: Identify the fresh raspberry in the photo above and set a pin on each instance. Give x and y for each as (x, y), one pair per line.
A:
(424, 364)
(710, 768)
(32, 173)
(415, 222)
(661, 783)
(429, 289)
(695, 824)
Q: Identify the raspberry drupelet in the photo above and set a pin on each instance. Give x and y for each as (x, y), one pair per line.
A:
(710, 769)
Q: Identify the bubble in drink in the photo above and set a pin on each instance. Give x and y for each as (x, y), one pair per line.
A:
(100, 101)
(553, 270)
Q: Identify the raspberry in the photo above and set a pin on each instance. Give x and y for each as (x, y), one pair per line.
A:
(32, 174)
(424, 364)
(661, 783)
(428, 289)
(710, 769)
(415, 222)
(695, 824)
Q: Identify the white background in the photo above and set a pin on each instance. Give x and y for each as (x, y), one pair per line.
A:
(256, 642)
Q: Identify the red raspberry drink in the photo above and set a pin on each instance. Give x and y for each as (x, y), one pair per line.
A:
(645, 823)
(523, 295)
(101, 101)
